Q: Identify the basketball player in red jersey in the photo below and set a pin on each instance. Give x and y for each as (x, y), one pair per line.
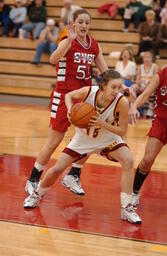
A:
(74, 57)
(157, 136)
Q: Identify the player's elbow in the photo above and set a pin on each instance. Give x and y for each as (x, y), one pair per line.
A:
(68, 96)
(52, 60)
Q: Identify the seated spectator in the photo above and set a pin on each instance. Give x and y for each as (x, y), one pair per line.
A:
(17, 17)
(37, 19)
(4, 17)
(146, 2)
(163, 13)
(157, 9)
(145, 73)
(148, 32)
(68, 10)
(161, 40)
(30, 3)
(134, 11)
(162, 3)
(63, 33)
(47, 40)
(126, 67)
(96, 77)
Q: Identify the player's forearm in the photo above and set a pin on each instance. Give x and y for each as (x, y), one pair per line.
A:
(115, 129)
(60, 51)
(140, 100)
(100, 62)
(68, 101)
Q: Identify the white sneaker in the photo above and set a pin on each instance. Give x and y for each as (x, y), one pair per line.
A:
(125, 30)
(73, 183)
(32, 200)
(135, 199)
(31, 186)
(130, 215)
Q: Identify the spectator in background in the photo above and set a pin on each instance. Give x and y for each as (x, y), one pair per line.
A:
(47, 40)
(37, 19)
(30, 3)
(146, 2)
(126, 66)
(162, 3)
(163, 14)
(17, 17)
(68, 10)
(96, 76)
(4, 17)
(62, 32)
(148, 32)
(161, 42)
(157, 9)
(135, 12)
(145, 73)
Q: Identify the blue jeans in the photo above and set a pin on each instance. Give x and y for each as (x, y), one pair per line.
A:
(135, 19)
(46, 47)
(36, 27)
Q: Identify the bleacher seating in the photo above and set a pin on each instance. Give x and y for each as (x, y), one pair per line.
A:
(19, 76)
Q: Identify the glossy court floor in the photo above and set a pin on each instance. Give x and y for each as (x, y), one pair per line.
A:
(66, 224)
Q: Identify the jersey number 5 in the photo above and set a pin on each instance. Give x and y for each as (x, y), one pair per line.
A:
(81, 70)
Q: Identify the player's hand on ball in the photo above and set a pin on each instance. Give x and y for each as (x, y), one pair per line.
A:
(96, 121)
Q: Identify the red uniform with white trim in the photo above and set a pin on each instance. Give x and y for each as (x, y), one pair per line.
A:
(73, 73)
(159, 124)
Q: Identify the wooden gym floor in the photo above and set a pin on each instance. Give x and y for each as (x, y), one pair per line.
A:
(66, 224)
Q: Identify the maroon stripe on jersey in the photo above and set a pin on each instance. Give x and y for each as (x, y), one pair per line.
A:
(115, 109)
(96, 96)
(95, 99)
(107, 150)
(87, 94)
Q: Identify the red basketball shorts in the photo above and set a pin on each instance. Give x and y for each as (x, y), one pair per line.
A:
(58, 112)
(159, 130)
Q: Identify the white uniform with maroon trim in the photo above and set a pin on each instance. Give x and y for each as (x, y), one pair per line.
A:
(87, 141)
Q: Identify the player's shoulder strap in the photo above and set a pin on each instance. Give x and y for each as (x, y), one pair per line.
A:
(92, 91)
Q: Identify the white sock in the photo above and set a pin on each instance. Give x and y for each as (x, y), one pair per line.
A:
(39, 167)
(41, 191)
(77, 165)
(125, 199)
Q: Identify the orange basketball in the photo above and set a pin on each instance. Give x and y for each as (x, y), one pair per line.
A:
(81, 113)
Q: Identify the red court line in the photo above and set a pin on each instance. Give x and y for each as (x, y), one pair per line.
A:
(97, 212)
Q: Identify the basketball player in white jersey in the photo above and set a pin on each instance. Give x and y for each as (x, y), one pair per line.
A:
(104, 136)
